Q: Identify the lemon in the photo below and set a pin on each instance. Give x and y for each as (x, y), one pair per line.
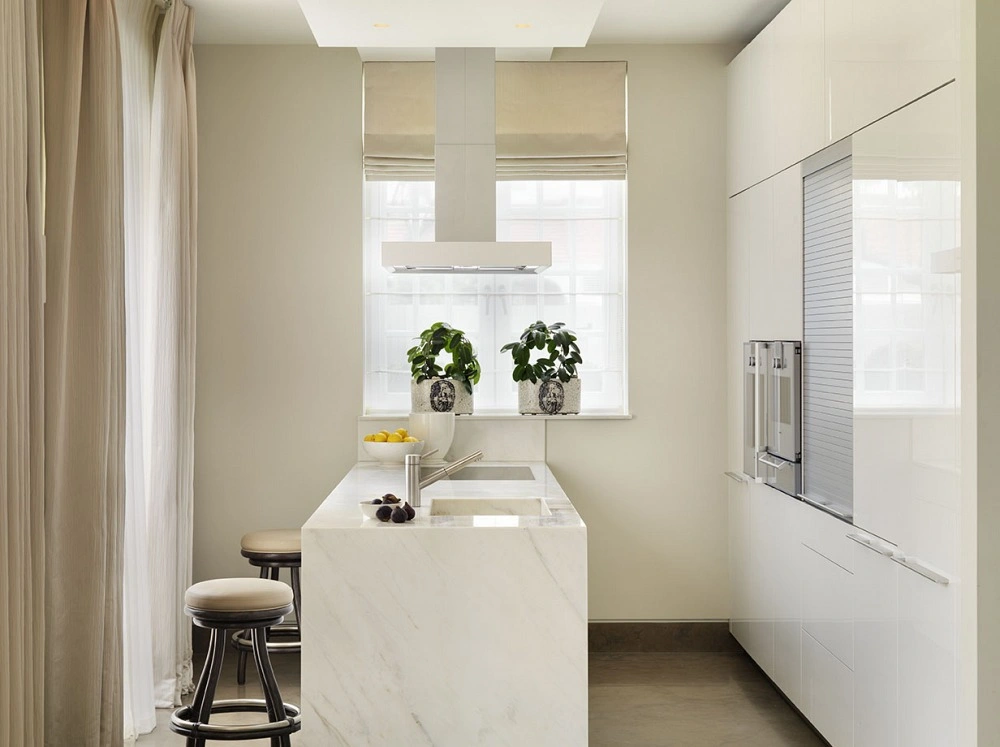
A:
(402, 432)
(385, 433)
(379, 438)
(411, 440)
(394, 438)
(370, 437)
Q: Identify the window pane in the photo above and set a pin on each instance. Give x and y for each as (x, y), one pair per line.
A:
(584, 288)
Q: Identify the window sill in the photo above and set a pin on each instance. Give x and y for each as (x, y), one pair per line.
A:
(508, 416)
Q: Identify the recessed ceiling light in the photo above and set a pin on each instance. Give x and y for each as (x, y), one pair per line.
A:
(522, 25)
(381, 25)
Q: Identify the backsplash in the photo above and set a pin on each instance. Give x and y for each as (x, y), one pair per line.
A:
(500, 440)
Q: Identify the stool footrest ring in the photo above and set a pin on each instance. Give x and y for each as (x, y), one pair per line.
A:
(181, 724)
(285, 630)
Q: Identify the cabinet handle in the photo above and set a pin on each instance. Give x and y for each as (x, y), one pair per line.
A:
(870, 545)
(781, 463)
(736, 477)
(921, 569)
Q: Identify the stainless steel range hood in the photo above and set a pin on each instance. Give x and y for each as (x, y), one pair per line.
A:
(465, 180)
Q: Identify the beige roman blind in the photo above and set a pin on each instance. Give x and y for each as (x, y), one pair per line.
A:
(555, 120)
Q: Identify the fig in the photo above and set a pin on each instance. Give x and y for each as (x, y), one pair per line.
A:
(398, 515)
(410, 511)
(389, 498)
(376, 502)
(383, 513)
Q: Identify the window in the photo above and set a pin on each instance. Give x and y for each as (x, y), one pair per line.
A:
(584, 287)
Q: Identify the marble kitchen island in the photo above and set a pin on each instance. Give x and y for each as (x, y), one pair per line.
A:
(450, 629)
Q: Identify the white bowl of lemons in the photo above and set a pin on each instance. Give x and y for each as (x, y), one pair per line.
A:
(391, 447)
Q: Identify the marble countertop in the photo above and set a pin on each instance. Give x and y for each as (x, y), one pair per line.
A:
(368, 480)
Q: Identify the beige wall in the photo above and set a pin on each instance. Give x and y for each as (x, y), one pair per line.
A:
(279, 289)
(279, 367)
(652, 489)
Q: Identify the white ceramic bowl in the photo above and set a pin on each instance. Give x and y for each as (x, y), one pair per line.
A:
(436, 429)
(392, 453)
(368, 508)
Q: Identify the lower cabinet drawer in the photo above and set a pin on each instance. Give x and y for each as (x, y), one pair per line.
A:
(828, 604)
(827, 693)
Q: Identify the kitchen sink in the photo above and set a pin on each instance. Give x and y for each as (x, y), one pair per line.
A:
(484, 473)
(489, 507)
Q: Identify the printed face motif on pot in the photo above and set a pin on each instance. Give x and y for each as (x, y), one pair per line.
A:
(442, 396)
(551, 397)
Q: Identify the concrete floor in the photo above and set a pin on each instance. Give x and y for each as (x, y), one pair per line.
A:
(647, 699)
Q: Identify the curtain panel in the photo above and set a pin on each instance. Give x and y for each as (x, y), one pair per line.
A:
(84, 373)
(137, 25)
(554, 120)
(167, 349)
(22, 293)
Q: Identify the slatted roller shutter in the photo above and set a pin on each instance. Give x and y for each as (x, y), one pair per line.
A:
(827, 351)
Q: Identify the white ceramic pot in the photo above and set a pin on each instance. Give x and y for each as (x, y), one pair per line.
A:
(440, 395)
(549, 397)
(436, 430)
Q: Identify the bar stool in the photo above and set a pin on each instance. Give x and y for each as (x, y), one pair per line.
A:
(255, 605)
(271, 550)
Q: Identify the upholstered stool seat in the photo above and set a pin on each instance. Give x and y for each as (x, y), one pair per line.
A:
(271, 550)
(238, 595)
(272, 541)
(253, 605)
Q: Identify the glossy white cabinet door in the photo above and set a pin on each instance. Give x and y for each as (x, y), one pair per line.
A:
(751, 114)
(928, 662)
(827, 693)
(785, 293)
(738, 295)
(739, 561)
(761, 577)
(883, 54)
(798, 72)
(786, 534)
(759, 201)
(907, 418)
(828, 604)
(876, 644)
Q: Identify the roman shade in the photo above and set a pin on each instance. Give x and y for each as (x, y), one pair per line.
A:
(554, 120)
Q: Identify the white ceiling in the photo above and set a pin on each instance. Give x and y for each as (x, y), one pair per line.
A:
(619, 22)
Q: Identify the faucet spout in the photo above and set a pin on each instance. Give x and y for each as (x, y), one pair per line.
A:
(411, 470)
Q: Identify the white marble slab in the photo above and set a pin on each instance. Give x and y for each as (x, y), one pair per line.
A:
(446, 630)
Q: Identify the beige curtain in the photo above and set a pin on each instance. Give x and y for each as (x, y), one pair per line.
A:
(22, 290)
(554, 120)
(84, 373)
(168, 348)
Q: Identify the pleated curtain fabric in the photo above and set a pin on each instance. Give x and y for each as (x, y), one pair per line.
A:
(168, 350)
(137, 23)
(22, 447)
(84, 373)
(554, 120)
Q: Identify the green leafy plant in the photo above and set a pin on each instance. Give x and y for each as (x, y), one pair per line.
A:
(440, 338)
(560, 355)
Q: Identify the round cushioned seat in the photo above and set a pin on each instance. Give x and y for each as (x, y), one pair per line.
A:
(238, 595)
(273, 541)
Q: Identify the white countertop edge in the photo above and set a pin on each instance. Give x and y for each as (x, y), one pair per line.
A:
(366, 480)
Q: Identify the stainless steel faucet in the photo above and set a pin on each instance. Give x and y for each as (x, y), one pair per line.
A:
(411, 472)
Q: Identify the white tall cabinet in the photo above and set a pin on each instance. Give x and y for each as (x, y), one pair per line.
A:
(856, 623)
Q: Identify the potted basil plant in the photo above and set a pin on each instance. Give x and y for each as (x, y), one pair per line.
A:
(443, 389)
(549, 385)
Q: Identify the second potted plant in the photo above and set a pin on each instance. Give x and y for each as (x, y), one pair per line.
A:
(550, 384)
(442, 389)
